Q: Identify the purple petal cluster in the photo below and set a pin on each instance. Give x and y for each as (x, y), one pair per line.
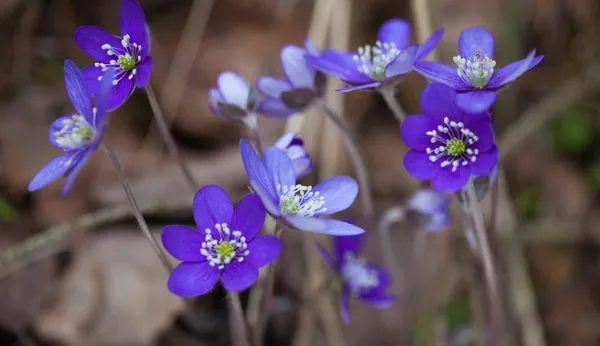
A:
(284, 97)
(448, 146)
(380, 65)
(476, 77)
(225, 246)
(77, 135)
(360, 279)
(293, 147)
(434, 206)
(233, 98)
(274, 180)
(127, 55)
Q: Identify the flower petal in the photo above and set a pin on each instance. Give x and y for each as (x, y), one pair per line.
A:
(133, 23)
(513, 71)
(78, 93)
(339, 193)
(238, 276)
(413, 131)
(297, 70)
(485, 163)
(438, 101)
(377, 299)
(279, 166)
(482, 128)
(52, 170)
(192, 279)
(345, 305)
(441, 73)
(257, 173)
(263, 249)
(249, 216)
(309, 224)
(234, 89)
(428, 201)
(143, 72)
(211, 206)
(325, 256)
(448, 181)
(183, 243)
(105, 89)
(90, 78)
(339, 228)
(366, 87)
(402, 63)
(214, 98)
(91, 39)
(72, 173)
(348, 243)
(272, 86)
(429, 45)
(311, 48)
(475, 39)
(394, 30)
(119, 94)
(270, 203)
(275, 108)
(476, 101)
(418, 165)
(340, 65)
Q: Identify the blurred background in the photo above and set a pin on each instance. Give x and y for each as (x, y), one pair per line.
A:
(97, 282)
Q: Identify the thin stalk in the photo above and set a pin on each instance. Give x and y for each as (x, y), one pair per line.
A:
(256, 139)
(390, 217)
(238, 330)
(489, 268)
(136, 210)
(392, 103)
(357, 161)
(165, 132)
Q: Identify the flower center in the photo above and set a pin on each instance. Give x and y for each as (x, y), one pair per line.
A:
(75, 132)
(455, 142)
(226, 247)
(475, 71)
(372, 60)
(300, 200)
(357, 274)
(127, 58)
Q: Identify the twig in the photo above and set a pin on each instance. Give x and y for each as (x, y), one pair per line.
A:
(238, 330)
(422, 19)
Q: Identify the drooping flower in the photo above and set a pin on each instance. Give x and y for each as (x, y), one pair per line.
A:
(360, 279)
(293, 147)
(448, 146)
(127, 55)
(302, 85)
(78, 135)
(434, 206)
(299, 206)
(225, 246)
(476, 76)
(234, 99)
(380, 65)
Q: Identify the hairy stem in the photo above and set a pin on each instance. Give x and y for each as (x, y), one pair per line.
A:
(136, 210)
(489, 268)
(392, 103)
(165, 132)
(238, 330)
(357, 161)
(256, 139)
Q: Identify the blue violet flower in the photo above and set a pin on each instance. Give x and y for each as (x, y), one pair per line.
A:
(434, 206)
(293, 147)
(234, 99)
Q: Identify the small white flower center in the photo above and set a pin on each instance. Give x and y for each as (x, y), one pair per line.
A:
(475, 71)
(372, 60)
(126, 59)
(229, 246)
(300, 200)
(454, 147)
(357, 275)
(75, 132)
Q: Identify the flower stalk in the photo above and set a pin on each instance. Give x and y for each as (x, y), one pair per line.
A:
(392, 103)
(238, 330)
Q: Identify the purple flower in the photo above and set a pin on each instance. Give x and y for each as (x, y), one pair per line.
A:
(302, 85)
(78, 135)
(127, 55)
(299, 206)
(293, 147)
(434, 206)
(234, 99)
(375, 66)
(447, 145)
(475, 77)
(225, 245)
(360, 279)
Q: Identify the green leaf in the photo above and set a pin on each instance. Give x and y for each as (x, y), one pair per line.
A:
(7, 211)
(572, 131)
(458, 313)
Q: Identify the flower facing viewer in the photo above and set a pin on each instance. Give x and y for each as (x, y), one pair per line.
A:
(360, 279)
(476, 76)
(234, 99)
(274, 180)
(225, 246)
(78, 135)
(380, 65)
(448, 146)
(293, 147)
(434, 206)
(127, 55)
